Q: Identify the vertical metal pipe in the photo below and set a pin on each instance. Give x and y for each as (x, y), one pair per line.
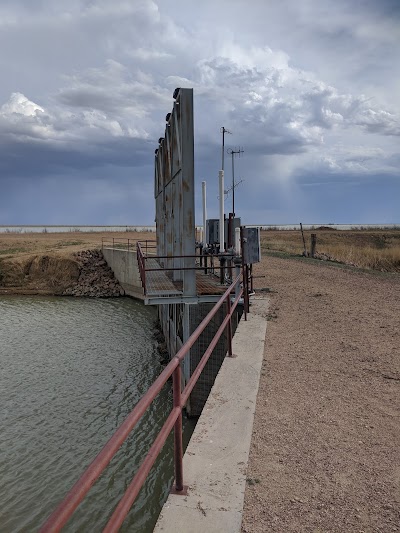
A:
(247, 301)
(204, 195)
(229, 326)
(223, 146)
(237, 273)
(221, 212)
(178, 448)
(237, 241)
(233, 184)
(244, 274)
(144, 274)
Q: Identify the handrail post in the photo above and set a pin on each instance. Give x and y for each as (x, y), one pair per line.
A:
(237, 262)
(229, 325)
(178, 447)
(144, 274)
(245, 276)
(246, 292)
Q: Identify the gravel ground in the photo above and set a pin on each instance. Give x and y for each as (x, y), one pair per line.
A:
(325, 453)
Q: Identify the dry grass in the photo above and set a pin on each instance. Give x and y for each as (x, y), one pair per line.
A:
(378, 249)
(18, 245)
(39, 272)
(44, 261)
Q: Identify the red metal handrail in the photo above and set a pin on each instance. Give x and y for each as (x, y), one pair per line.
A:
(143, 257)
(141, 265)
(74, 497)
(117, 242)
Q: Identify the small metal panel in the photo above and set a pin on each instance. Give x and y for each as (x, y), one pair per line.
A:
(235, 224)
(212, 230)
(251, 245)
(174, 191)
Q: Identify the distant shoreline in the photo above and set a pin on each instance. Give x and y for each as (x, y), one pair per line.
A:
(65, 228)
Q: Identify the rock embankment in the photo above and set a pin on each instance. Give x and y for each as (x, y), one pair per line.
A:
(96, 279)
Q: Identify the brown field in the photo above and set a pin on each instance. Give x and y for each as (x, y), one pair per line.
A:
(377, 249)
(20, 245)
(44, 262)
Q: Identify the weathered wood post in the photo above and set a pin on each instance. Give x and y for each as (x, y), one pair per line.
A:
(313, 244)
(304, 241)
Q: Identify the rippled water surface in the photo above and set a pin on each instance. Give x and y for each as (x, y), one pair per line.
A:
(71, 370)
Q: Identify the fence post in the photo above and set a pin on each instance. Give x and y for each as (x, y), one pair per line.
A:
(178, 446)
(304, 241)
(313, 244)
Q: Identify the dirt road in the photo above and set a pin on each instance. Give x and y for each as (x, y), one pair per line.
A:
(325, 453)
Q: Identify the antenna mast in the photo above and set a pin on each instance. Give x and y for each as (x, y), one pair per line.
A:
(232, 153)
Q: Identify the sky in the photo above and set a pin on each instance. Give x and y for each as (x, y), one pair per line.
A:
(309, 89)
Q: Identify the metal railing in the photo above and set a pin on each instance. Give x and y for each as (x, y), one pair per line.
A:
(174, 420)
(157, 265)
(121, 243)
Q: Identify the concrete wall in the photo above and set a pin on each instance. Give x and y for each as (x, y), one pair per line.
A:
(125, 267)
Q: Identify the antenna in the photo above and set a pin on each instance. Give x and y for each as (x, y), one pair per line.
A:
(233, 153)
(232, 187)
(223, 130)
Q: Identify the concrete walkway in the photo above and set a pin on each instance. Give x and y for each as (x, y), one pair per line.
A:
(215, 462)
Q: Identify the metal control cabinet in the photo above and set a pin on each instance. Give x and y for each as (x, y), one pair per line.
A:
(212, 230)
(251, 245)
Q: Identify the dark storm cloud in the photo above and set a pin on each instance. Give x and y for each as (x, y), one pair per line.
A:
(38, 159)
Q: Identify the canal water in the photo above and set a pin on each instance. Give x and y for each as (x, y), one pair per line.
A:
(71, 371)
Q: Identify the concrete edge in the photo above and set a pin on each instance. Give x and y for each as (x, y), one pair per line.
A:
(215, 462)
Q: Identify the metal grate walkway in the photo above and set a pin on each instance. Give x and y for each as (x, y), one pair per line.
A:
(159, 283)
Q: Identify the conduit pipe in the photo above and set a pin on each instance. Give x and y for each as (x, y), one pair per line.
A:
(221, 212)
(203, 189)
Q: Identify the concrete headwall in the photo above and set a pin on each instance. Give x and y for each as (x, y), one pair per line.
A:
(124, 265)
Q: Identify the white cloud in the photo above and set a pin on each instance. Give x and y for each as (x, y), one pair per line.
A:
(19, 104)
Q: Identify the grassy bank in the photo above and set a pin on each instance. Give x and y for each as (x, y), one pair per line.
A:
(377, 249)
(45, 262)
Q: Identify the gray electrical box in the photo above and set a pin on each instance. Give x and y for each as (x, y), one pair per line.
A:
(251, 245)
(235, 224)
(212, 231)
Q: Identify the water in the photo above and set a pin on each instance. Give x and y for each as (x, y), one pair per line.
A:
(69, 229)
(71, 370)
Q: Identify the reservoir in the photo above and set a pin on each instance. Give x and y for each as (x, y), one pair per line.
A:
(71, 371)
